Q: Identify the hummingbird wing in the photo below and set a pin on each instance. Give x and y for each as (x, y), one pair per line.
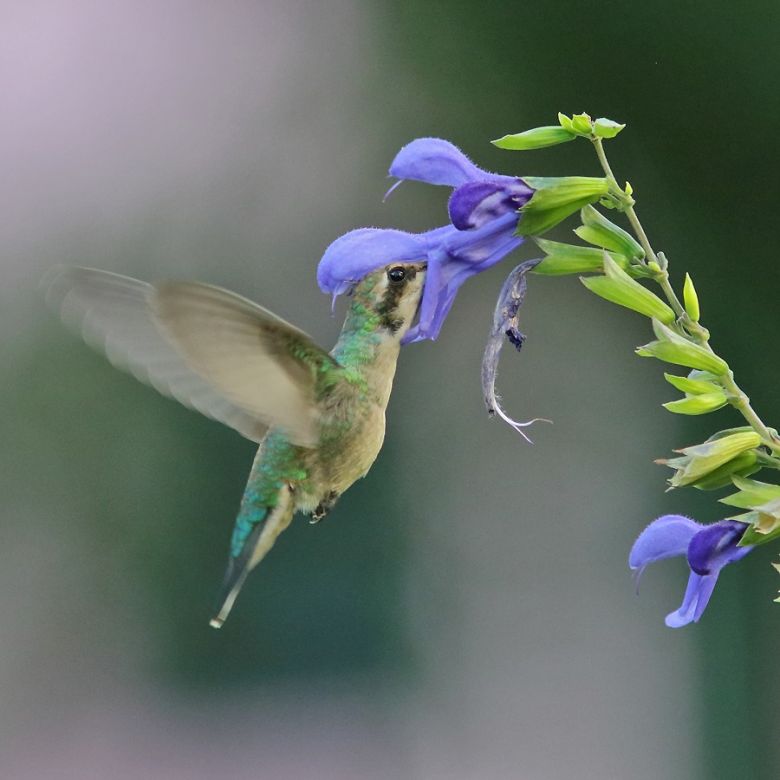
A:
(208, 348)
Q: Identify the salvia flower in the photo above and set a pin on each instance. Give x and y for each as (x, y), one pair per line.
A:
(483, 211)
(708, 548)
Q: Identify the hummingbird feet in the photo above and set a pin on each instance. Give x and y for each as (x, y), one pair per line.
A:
(323, 507)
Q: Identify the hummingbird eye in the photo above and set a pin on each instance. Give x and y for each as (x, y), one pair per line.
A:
(396, 274)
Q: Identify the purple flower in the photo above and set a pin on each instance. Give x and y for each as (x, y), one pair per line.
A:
(708, 549)
(483, 211)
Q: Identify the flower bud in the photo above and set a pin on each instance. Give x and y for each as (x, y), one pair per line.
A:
(702, 403)
(555, 198)
(690, 299)
(582, 124)
(618, 287)
(696, 383)
(538, 138)
(673, 348)
(570, 259)
(598, 230)
(703, 459)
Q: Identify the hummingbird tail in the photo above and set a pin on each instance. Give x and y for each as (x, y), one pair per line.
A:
(260, 541)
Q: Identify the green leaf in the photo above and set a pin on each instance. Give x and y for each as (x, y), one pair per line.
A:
(691, 299)
(618, 287)
(606, 128)
(702, 403)
(673, 348)
(691, 386)
(571, 259)
(538, 138)
(607, 234)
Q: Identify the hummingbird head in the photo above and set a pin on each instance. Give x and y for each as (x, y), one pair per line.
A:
(393, 292)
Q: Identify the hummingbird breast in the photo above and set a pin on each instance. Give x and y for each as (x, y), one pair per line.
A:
(352, 429)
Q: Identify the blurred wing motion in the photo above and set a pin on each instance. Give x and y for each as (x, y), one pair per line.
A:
(208, 348)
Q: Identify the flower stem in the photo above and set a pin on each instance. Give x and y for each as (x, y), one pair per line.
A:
(696, 332)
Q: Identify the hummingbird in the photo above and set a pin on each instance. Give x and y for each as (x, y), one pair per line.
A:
(318, 417)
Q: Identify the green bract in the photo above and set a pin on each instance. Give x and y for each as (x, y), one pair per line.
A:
(698, 404)
(745, 464)
(570, 259)
(673, 348)
(598, 230)
(751, 493)
(696, 383)
(606, 128)
(702, 394)
(538, 138)
(556, 198)
(764, 523)
(703, 459)
(582, 123)
(618, 287)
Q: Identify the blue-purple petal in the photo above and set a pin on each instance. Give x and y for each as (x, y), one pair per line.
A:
(359, 252)
(477, 203)
(483, 233)
(665, 537)
(716, 545)
(434, 161)
(697, 596)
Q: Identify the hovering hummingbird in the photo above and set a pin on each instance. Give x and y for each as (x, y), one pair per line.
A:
(318, 417)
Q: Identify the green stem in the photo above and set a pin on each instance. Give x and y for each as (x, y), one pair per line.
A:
(697, 332)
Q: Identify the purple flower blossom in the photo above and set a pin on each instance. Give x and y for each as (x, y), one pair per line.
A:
(708, 549)
(483, 211)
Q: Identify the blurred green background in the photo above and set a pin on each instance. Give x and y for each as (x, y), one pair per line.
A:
(482, 623)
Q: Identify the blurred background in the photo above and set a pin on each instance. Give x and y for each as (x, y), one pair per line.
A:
(467, 611)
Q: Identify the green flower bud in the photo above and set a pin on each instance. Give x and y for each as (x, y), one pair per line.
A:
(606, 128)
(566, 123)
(597, 229)
(697, 383)
(690, 299)
(553, 191)
(582, 124)
(556, 198)
(745, 464)
(538, 138)
(698, 404)
(570, 259)
(673, 348)
(618, 287)
(703, 459)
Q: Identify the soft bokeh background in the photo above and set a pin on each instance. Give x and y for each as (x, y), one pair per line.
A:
(466, 612)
